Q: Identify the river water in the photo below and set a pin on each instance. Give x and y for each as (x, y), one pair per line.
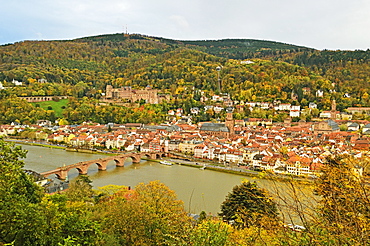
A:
(201, 190)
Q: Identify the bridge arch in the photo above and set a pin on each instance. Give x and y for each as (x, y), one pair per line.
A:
(82, 170)
(52, 176)
(135, 158)
(102, 165)
(159, 155)
(153, 156)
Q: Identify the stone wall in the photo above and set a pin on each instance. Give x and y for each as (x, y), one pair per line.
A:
(42, 98)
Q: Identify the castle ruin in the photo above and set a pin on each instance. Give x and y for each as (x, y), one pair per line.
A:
(128, 94)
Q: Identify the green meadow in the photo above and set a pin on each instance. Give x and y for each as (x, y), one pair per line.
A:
(58, 107)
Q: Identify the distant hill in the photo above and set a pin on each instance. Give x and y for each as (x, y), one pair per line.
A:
(84, 66)
(245, 48)
(228, 48)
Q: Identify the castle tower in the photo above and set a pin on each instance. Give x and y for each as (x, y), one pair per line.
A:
(109, 92)
(229, 123)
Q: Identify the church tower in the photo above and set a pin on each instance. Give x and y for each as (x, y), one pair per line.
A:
(229, 123)
(333, 112)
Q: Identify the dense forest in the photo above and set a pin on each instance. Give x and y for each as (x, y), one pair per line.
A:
(251, 70)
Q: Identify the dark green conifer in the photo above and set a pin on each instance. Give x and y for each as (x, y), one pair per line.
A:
(247, 205)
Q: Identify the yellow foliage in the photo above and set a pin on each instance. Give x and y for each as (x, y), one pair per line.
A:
(179, 90)
(254, 236)
(110, 189)
(30, 80)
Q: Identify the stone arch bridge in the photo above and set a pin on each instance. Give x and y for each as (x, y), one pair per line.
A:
(82, 167)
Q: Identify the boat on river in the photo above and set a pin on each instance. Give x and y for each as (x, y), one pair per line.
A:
(166, 163)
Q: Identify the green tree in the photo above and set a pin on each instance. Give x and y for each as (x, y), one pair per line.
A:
(67, 221)
(80, 189)
(248, 205)
(19, 196)
(29, 219)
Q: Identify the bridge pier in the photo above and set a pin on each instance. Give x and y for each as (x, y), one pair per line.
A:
(82, 170)
(62, 174)
(102, 165)
(120, 162)
(136, 158)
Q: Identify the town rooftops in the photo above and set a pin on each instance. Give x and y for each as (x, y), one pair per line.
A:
(166, 128)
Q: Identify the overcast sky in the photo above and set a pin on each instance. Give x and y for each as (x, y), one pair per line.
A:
(320, 24)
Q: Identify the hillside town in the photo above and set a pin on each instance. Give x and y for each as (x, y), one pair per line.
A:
(296, 148)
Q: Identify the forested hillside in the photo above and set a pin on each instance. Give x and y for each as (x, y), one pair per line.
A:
(186, 69)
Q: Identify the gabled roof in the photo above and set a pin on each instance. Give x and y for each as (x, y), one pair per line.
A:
(354, 124)
(334, 126)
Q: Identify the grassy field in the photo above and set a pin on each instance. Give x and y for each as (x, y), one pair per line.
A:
(56, 106)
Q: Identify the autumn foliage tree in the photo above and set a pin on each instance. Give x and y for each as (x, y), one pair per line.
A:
(344, 202)
(150, 214)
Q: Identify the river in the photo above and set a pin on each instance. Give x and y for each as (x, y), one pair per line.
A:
(201, 190)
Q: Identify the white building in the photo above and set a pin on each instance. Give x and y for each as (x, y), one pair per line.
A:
(283, 107)
(217, 98)
(319, 93)
(294, 113)
(217, 109)
(325, 114)
(16, 82)
(298, 169)
(296, 107)
(246, 62)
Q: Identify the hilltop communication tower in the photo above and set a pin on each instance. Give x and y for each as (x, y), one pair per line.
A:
(125, 32)
(218, 69)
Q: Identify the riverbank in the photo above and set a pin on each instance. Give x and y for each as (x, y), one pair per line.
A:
(60, 146)
(34, 143)
(89, 151)
(243, 171)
